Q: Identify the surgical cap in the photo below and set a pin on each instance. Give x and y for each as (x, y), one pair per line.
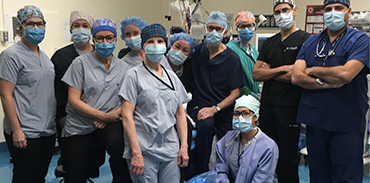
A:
(249, 102)
(185, 37)
(344, 2)
(137, 21)
(290, 2)
(28, 12)
(153, 30)
(217, 17)
(80, 15)
(244, 17)
(104, 24)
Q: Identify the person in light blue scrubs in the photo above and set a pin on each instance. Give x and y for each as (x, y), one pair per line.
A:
(131, 28)
(152, 98)
(246, 154)
(332, 68)
(27, 95)
(93, 110)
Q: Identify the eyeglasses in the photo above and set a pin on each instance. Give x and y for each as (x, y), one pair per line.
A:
(244, 114)
(284, 10)
(40, 25)
(109, 38)
(244, 26)
(211, 28)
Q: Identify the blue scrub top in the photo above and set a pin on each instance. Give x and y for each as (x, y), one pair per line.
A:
(215, 78)
(342, 109)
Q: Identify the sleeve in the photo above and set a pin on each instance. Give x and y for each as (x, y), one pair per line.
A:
(74, 75)
(129, 87)
(360, 51)
(221, 166)
(9, 69)
(237, 78)
(59, 87)
(263, 52)
(267, 165)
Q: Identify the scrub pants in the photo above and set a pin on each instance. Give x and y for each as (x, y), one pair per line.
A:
(157, 172)
(32, 163)
(218, 125)
(334, 156)
(279, 123)
(77, 153)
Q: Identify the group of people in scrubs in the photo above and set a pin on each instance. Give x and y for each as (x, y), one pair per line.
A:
(132, 107)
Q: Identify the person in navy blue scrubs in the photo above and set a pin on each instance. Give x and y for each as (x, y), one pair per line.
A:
(218, 75)
(332, 68)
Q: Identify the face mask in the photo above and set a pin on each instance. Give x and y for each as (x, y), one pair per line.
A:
(155, 52)
(284, 20)
(246, 34)
(242, 124)
(80, 36)
(214, 38)
(334, 20)
(34, 35)
(134, 42)
(176, 57)
(105, 49)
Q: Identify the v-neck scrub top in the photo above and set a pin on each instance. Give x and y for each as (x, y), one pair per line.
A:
(33, 94)
(154, 114)
(99, 90)
(133, 60)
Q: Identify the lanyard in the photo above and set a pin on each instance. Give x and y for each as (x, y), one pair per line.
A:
(171, 87)
(331, 52)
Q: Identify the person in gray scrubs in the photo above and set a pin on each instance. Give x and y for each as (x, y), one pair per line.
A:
(152, 98)
(27, 95)
(93, 110)
(130, 32)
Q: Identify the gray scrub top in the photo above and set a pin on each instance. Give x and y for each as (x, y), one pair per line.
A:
(133, 60)
(33, 94)
(78, 50)
(154, 114)
(99, 90)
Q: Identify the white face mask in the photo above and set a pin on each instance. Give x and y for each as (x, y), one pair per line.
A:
(284, 20)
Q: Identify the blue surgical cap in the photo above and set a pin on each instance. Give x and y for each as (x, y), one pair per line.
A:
(104, 24)
(185, 37)
(344, 2)
(137, 21)
(218, 18)
(248, 102)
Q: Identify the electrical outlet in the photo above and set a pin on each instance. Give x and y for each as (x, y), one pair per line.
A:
(5, 37)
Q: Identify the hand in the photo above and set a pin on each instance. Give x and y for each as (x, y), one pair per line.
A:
(137, 164)
(265, 65)
(206, 112)
(19, 139)
(62, 122)
(183, 158)
(259, 98)
(100, 124)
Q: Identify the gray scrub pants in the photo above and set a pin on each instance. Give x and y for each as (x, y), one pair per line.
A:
(157, 172)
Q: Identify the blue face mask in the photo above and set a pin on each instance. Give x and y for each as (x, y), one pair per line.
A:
(155, 52)
(214, 38)
(334, 20)
(80, 36)
(246, 34)
(134, 42)
(242, 124)
(105, 49)
(176, 57)
(34, 35)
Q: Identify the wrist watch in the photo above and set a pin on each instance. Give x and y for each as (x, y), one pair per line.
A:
(218, 108)
(320, 81)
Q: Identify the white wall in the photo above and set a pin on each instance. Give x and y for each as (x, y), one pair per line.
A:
(152, 11)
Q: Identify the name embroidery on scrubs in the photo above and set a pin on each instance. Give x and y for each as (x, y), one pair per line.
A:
(171, 87)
